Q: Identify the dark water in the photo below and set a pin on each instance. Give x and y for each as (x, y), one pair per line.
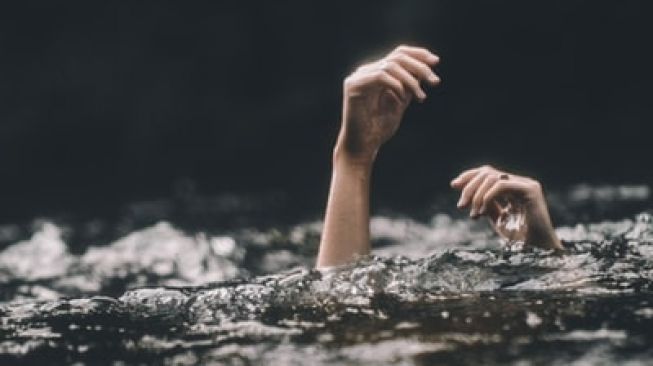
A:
(438, 290)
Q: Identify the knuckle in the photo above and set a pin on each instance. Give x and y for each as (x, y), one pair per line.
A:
(535, 185)
(350, 81)
(362, 68)
(388, 65)
(399, 57)
(380, 76)
(401, 48)
(347, 83)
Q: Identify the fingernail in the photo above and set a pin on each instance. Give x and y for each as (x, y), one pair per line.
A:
(434, 79)
(460, 203)
(435, 58)
(481, 211)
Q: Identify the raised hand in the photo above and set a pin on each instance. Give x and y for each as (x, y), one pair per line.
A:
(376, 96)
(491, 192)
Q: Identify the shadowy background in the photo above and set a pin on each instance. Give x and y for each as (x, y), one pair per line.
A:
(103, 103)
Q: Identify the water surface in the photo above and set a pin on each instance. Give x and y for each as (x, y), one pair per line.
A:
(439, 289)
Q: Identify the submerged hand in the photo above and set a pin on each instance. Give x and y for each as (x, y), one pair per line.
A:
(376, 96)
(487, 191)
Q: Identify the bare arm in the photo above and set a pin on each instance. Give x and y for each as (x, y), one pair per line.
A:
(346, 224)
(375, 97)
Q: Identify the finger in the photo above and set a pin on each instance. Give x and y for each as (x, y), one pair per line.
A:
(493, 210)
(384, 79)
(500, 187)
(477, 201)
(418, 68)
(406, 78)
(464, 177)
(419, 53)
(470, 188)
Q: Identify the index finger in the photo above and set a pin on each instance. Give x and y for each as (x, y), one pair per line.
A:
(464, 177)
(419, 53)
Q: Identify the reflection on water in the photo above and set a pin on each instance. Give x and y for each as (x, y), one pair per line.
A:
(435, 292)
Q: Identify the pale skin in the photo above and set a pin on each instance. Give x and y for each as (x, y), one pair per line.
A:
(481, 187)
(375, 97)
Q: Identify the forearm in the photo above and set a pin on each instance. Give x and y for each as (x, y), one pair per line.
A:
(346, 232)
(375, 97)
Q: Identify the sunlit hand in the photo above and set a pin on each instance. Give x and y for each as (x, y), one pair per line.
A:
(487, 191)
(376, 96)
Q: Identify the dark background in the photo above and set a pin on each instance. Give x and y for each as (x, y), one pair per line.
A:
(103, 103)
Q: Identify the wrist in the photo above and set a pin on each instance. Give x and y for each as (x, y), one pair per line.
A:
(344, 158)
(544, 237)
(541, 231)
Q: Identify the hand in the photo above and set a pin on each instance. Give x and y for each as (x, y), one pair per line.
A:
(485, 188)
(375, 98)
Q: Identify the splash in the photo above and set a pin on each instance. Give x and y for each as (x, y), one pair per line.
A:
(436, 291)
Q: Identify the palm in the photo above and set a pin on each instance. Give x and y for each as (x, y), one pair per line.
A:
(506, 215)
